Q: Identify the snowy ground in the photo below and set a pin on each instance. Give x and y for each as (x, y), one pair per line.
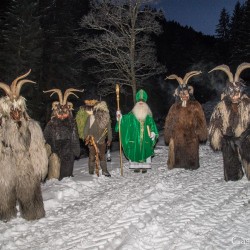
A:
(162, 209)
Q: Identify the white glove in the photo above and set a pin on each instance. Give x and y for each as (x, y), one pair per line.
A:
(152, 135)
(118, 115)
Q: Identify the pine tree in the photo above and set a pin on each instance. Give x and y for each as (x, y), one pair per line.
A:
(223, 34)
(243, 47)
(21, 47)
(21, 41)
(59, 23)
(223, 27)
(235, 35)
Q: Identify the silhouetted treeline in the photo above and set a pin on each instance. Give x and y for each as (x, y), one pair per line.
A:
(41, 35)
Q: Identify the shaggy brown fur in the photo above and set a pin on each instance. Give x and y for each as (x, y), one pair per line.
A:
(228, 132)
(101, 130)
(185, 127)
(101, 113)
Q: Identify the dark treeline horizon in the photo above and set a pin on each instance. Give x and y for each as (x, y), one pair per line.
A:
(41, 36)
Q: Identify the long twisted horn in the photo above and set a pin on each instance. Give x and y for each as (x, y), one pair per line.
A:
(14, 83)
(6, 88)
(189, 75)
(172, 77)
(240, 68)
(19, 86)
(69, 92)
(226, 69)
(58, 91)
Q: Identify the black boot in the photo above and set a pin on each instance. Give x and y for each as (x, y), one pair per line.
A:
(137, 170)
(106, 173)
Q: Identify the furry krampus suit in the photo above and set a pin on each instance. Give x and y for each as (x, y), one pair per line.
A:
(82, 115)
(62, 136)
(23, 157)
(185, 126)
(229, 127)
(98, 125)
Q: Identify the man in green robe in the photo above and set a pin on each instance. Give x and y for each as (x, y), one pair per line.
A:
(138, 133)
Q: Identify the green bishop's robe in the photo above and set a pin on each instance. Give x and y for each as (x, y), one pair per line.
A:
(136, 143)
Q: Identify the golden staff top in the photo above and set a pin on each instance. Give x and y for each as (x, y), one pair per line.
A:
(117, 90)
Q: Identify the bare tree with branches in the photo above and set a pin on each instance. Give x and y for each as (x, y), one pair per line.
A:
(119, 38)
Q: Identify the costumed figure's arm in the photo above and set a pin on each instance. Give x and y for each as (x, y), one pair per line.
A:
(49, 136)
(75, 143)
(37, 150)
(54, 162)
(109, 134)
(118, 119)
(215, 129)
(152, 130)
(24, 134)
(201, 124)
(169, 124)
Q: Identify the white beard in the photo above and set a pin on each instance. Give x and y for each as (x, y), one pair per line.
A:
(141, 111)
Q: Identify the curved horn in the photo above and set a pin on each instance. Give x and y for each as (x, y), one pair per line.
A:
(172, 77)
(69, 92)
(189, 75)
(6, 88)
(58, 91)
(240, 68)
(14, 83)
(19, 86)
(54, 105)
(226, 69)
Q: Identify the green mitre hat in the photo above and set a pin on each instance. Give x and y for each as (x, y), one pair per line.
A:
(141, 95)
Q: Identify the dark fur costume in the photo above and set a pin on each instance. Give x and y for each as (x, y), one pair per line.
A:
(62, 136)
(185, 128)
(229, 131)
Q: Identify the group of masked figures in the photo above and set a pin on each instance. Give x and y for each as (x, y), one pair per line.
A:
(30, 155)
(186, 127)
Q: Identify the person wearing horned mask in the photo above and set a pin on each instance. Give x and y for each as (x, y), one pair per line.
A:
(138, 134)
(229, 127)
(185, 126)
(23, 156)
(62, 136)
(98, 125)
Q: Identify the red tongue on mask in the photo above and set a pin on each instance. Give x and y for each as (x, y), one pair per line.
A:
(63, 116)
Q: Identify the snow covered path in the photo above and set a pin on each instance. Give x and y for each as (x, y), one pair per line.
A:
(162, 209)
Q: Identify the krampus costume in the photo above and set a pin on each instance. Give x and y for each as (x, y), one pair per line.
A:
(23, 157)
(82, 115)
(185, 126)
(62, 136)
(229, 127)
(138, 134)
(98, 125)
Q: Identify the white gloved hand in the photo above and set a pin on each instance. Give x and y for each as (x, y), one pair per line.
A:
(118, 115)
(152, 135)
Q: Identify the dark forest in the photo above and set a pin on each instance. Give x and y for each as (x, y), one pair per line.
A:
(45, 36)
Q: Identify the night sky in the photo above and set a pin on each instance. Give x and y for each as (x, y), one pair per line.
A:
(201, 15)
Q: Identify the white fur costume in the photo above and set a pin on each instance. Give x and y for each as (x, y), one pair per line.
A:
(23, 157)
